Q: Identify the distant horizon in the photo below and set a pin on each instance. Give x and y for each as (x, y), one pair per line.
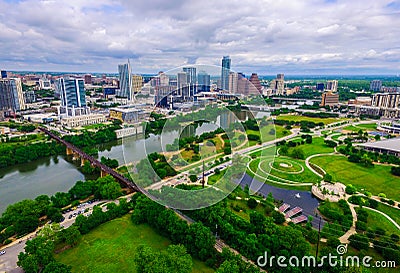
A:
(319, 37)
(247, 74)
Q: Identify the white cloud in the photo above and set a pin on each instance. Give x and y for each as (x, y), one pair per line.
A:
(262, 36)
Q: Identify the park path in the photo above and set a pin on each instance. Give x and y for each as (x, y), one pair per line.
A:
(387, 216)
(344, 239)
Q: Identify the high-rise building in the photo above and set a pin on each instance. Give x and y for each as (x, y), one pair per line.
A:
(320, 86)
(137, 83)
(182, 83)
(226, 67)
(242, 84)
(375, 85)
(191, 80)
(329, 99)
(11, 95)
(29, 96)
(164, 79)
(255, 84)
(72, 95)
(332, 85)
(204, 81)
(88, 79)
(3, 74)
(192, 75)
(233, 82)
(278, 85)
(125, 81)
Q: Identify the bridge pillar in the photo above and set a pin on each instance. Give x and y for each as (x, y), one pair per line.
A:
(83, 161)
(103, 173)
(69, 151)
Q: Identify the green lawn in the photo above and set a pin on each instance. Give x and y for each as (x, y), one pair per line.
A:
(376, 220)
(316, 120)
(391, 212)
(376, 180)
(111, 247)
(306, 176)
(268, 133)
(215, 177)
(275, 176)
(316, 147)
(364, 127)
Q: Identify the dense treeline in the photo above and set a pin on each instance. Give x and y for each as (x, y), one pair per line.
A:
(255, 237)
(89, 139)
(341, 218)
(367, 158)
(18, 154)
(196, 237)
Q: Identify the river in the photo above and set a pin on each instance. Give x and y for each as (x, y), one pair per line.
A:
(59, 173)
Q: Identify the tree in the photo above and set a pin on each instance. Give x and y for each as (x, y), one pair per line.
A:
(252, 203)
(54, 214)
(228, 267)
(217, 171)
(26, 224)
(56, 267)
(193, 178)
(359, 241)
(38, 253)
(279, 218)
(328, 177)
(71, 235)
(395, 171)
(298, 153)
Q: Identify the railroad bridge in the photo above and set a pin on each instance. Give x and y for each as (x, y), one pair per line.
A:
(78, 153)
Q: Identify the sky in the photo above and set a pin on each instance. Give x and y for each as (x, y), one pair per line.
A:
(263, 36)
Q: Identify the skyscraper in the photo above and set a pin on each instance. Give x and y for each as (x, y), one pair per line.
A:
(204, 81)
(137, 83)
(3, 74)
(255, 84)
(375, 85)
(125, 81)
(72, 95)
(226, 66)
(11, 95)
(233, 82)
(182, 82)
(191, 80)
(332, 85)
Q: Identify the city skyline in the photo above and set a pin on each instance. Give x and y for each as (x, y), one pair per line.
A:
(315, 37)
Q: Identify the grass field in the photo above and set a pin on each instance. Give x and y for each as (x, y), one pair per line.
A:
(111, 247)
(316, 120)
(266, 134)
(280, 177)
(215, 177)
(316, 147)
(376, 180)
(364, 127)
(391, 212)
(376, 220)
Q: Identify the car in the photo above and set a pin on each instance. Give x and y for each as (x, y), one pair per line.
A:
(2, 252)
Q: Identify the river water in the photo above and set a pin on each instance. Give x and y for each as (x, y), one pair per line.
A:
(59, 173)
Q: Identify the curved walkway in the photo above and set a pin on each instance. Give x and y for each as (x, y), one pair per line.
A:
(387, 216)
(344, 239)
(307, 162)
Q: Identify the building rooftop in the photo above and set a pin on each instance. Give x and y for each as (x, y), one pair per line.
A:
(392, 144)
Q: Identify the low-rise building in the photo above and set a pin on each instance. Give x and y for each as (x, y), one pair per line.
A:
(4, 130)
(129, 114)
(83, 120)
(329, 99)
(387, 146)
